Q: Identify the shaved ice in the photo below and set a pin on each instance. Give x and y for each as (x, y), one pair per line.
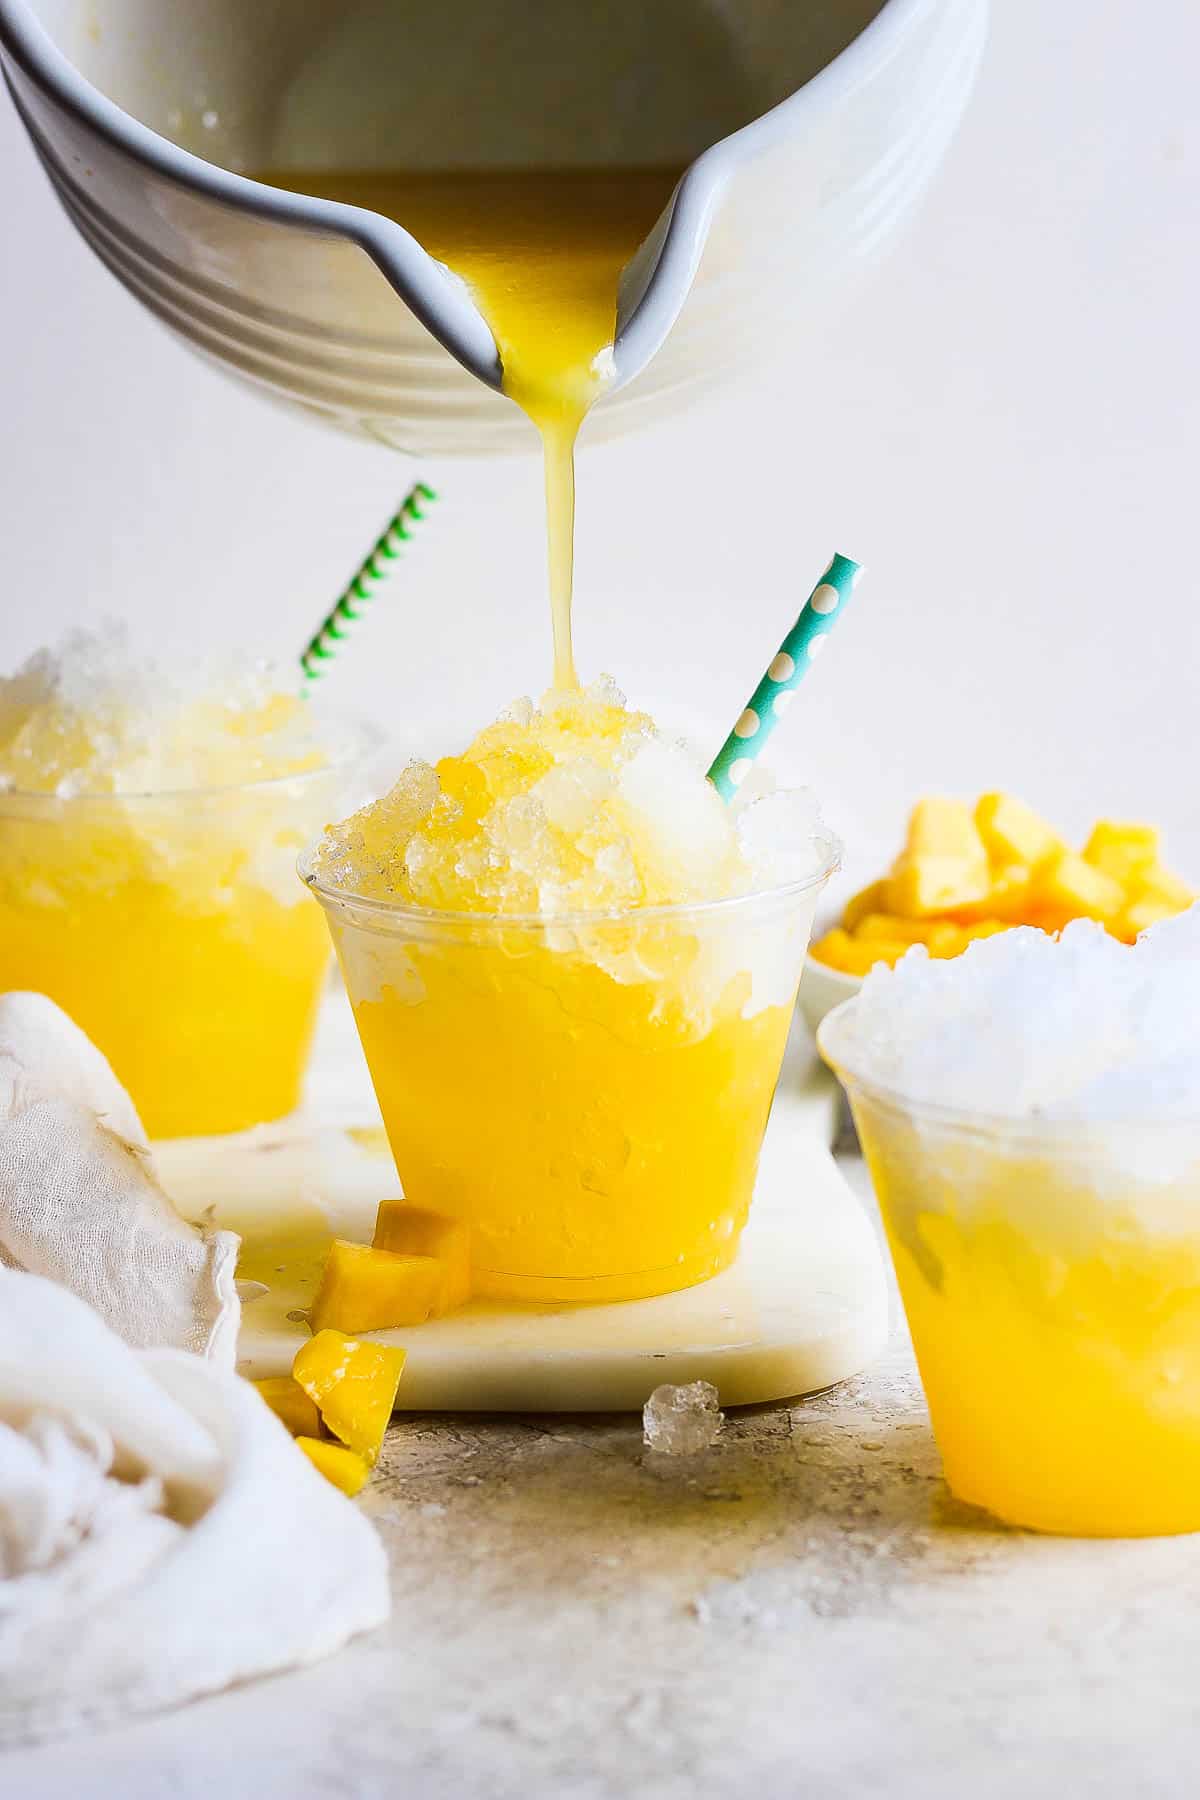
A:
(1026, 1025)
(575, 805)
(97, 715)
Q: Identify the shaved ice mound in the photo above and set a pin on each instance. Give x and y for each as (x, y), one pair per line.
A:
(1027, 1026)
(577, 805)
(97, 715)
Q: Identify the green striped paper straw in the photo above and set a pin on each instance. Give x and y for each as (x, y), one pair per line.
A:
(361, 589)
(791, 663)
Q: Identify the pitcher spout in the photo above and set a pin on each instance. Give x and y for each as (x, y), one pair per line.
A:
(439, 299)
(825, 125)
(657, 282)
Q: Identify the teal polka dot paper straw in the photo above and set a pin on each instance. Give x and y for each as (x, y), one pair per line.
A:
(791, 663)
(374, 569)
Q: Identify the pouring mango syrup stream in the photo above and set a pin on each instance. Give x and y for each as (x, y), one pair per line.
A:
(542, 251)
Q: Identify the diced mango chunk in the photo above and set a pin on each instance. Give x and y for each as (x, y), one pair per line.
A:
(889, 928)
(1121, 850)
(353, 1384)
(1140, 916)
(1013, 832)
(1007, 898)
(942, 937)
(366, 1289)
(344, 1468)
(289, 1402)
(1157, 883)
(922, 884)
(856, 956)
(409, 1230)
(1008, 895)
(967, 874)
(831, 948)
(985, 928)
(1069, 887)
(867, 900)
(939, 827)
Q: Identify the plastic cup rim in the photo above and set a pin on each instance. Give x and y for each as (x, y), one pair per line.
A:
(1027, 1127)
(340, 899)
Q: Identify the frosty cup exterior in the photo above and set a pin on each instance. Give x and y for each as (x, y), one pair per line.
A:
(170, 928)
(1050, 1273)
(588, 1093)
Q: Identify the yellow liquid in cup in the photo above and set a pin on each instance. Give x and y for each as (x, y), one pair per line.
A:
(1057, 1335)
(542, 251)
(600, 1143)
(155, 933)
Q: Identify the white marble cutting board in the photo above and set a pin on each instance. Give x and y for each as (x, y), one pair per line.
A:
(804, 1306)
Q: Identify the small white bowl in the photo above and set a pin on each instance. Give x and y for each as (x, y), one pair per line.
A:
(823, 988)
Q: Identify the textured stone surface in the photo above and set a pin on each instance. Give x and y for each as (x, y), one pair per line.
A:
(801, 1612)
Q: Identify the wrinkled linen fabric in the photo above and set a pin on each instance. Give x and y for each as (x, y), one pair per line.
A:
(161, 1536)
(81, 1204)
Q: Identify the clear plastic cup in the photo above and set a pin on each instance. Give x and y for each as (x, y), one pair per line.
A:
(169, 926)
(588, 1092)
(1050, 1273)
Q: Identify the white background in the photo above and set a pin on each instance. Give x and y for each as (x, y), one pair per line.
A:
(1004, 428)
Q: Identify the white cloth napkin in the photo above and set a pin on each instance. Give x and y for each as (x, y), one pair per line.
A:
(80, 1202)
(161, 1536)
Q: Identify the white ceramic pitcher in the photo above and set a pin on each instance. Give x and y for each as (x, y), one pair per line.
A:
(808, 127)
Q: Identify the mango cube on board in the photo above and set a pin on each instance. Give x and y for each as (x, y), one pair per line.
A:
(1067, 887)
(922, 884)
(1013, 832)
(408, 1230)
(867, 900)
(345, 1468)
(289, 1402)
(938, 827)
(365, 1289)
(1121, 850)
(354, 1385)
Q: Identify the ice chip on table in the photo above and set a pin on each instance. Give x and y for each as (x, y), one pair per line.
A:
(1025, 1025)
(682, 1421)
(97, 715)
(574, 805)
